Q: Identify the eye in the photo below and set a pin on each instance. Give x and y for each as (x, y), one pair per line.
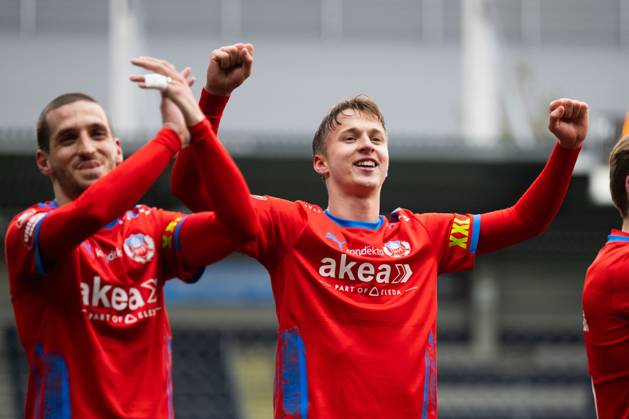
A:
(377, 140)
(349, 139)
(99, 134)
(67, 139)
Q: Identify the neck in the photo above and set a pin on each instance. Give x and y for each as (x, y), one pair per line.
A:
(351, 207)
(625, 224)
(60, 196)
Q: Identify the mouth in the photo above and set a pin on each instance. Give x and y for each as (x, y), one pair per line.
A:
(88, 165)
(366, 163)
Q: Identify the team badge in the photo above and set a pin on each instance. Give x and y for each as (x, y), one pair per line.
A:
(397, 248)
(139, 247)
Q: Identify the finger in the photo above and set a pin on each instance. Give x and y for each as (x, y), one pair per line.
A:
(156, 66)
(554, 104)
(250, 48)
(569, 107)
(191, 81)
(137, 78)
(186, 72)
(556, 115)
(222, 58)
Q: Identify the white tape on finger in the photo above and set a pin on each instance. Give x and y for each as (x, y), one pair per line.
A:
(156, 81)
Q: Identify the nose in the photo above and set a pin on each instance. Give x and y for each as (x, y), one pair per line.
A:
(365, 144)
(85, 144)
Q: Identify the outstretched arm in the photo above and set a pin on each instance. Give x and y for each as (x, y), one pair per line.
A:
(535, 210)
(228, 68)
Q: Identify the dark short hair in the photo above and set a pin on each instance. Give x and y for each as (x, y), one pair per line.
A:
(360, 103)
(618, 172)
(43, 129)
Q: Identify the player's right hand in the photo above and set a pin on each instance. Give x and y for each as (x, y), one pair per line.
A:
(568, 121)
(229, 67)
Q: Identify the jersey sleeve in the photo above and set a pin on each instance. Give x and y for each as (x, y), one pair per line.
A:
(167, 239)
(22, 250)
(186, 179)
(454, 238)
(281, 223)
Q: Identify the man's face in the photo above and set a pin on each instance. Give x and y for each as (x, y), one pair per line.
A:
(356, 158)
(82, 148)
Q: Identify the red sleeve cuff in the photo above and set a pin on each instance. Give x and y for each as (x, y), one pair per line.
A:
(200, 130)
(563, 154)
(212, 105)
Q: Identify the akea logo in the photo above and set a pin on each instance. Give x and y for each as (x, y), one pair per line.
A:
(121, 299)
(383, 273)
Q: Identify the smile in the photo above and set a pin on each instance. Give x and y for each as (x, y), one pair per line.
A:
(366, 164)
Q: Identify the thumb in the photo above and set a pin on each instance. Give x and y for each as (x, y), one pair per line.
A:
(557, 113)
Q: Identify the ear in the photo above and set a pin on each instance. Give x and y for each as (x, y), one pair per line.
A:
(320, 165)
(41, 158)
(119, 156)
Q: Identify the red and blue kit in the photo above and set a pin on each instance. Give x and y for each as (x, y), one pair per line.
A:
(357, 302)
(606, 326)
(98, 309)
(357, 307)
(87, 291)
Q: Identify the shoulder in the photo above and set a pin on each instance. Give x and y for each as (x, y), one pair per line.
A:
(25, 222)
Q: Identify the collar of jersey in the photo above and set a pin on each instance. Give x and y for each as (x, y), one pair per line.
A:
(617, 236)
(356, 224)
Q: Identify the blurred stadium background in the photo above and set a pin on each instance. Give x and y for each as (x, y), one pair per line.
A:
(464, 85)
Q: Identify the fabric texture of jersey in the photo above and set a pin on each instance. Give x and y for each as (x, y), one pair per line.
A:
(606, 326)
(356, 304)
(97, 309)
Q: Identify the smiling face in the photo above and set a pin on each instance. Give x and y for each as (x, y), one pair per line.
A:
(81, 148)
(355, 158)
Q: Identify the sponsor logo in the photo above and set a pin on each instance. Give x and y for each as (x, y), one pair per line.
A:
(169, 233)
(383, 273)
(24, 217)
(335, 240)
(313, 208)
(114, 254)
(120, 299)
(139, 247)
(397, 248)
(29, 228)
(459, 235)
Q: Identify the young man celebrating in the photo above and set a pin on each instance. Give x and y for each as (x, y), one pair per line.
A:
(87, 270)
(355, 292)
(606, 302)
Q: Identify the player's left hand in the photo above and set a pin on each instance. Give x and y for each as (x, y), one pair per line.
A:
(568, 121)
(229, 67)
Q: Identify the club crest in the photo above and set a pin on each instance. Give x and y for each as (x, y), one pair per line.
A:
(139, 247)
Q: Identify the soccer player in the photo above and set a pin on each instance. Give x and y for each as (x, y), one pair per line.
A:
(355, 292)
(606, 302)
(87, 270)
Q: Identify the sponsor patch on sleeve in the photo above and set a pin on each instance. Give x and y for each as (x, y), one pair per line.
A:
(169, 233)
(460, 232)
(28, 221)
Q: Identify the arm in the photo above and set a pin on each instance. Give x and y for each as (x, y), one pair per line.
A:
(221, 181)
(536, 209)
(229, 67)
(66, 227)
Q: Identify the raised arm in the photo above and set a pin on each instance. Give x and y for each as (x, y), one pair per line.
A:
(228, 68)
(535, 210)
(221, 181)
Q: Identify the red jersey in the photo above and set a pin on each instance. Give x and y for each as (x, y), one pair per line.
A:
(606, 326)
(93, 323)
(357, 308)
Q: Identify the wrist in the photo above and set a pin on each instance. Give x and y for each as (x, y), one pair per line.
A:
(217, 91)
